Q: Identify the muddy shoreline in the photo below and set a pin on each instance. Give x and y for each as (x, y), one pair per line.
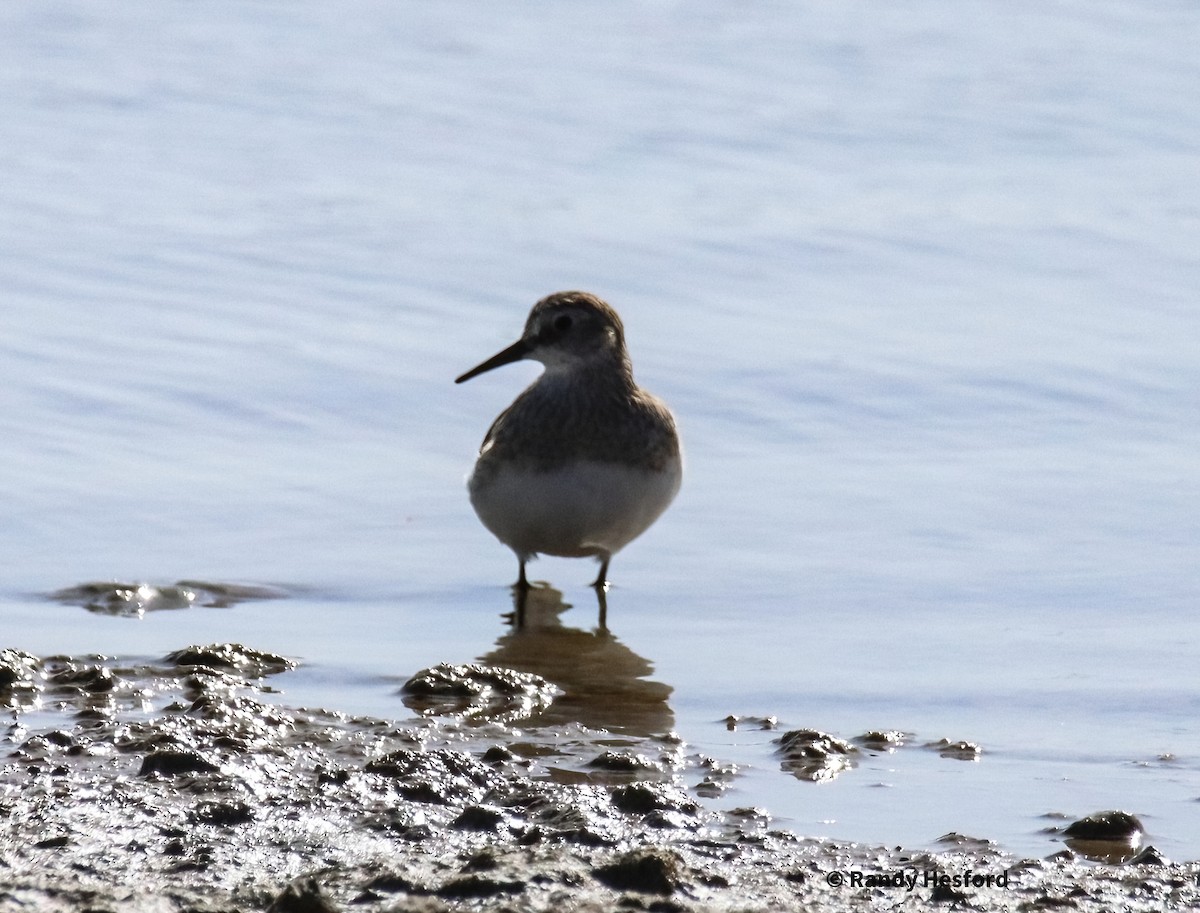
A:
(186, 785)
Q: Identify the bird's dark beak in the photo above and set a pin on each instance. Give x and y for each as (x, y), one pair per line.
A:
(515, 352)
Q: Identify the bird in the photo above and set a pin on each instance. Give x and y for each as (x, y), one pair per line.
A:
(584, 460)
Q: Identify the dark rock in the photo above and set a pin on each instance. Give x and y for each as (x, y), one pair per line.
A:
(172, 763)
(881, 740)
(734, 722)
(332, 776)
(1148, 856)
(664, 820)
(1107, 825)
(222, 814)
(393, 883)
(468, 680)
(665, 906)
(478, 818)
(648, 871)
(435, 777)
(584, 836)
(18, 671)
(303, 895)
(476, 690)
(483, 861)
(963, 842)
(531, 836)
(945, 893)
(93, 679)
(625, 762)
(200, 860)
(244, 660)
(957, 751)
(643, 798)
(476, 886)
(809, 754)
(1111, 837)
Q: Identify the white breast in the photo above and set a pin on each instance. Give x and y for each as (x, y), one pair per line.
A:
(584, 509)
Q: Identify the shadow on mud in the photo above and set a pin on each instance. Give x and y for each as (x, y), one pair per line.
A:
(603, 683)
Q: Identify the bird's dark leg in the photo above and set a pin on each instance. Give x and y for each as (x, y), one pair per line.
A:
(522, 583)
(601, 581)
(602, 601)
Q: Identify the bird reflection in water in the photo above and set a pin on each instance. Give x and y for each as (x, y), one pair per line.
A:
(602, 679)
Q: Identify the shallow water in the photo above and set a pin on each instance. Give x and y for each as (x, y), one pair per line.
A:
(919, 286)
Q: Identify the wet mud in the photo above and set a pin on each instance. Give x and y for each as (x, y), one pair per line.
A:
(188, 784)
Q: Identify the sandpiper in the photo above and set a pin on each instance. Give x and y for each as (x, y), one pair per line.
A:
(584, 460)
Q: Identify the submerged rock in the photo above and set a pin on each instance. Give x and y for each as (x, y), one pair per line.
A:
(960, 750)
(882, 739)
(1108, 825)
(812, 755)
(133, 600)
(243, 660)
(626, 762)
(1114, 837)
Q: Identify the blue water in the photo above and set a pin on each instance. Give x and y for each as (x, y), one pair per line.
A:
(920, 285)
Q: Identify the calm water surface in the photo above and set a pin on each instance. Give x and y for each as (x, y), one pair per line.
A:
(920, 286)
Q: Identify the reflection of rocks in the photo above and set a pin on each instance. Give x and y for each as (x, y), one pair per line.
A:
(601, 679)
(136, 599)
(812, 755)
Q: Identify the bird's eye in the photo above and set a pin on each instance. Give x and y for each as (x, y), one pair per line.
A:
(562, 322)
